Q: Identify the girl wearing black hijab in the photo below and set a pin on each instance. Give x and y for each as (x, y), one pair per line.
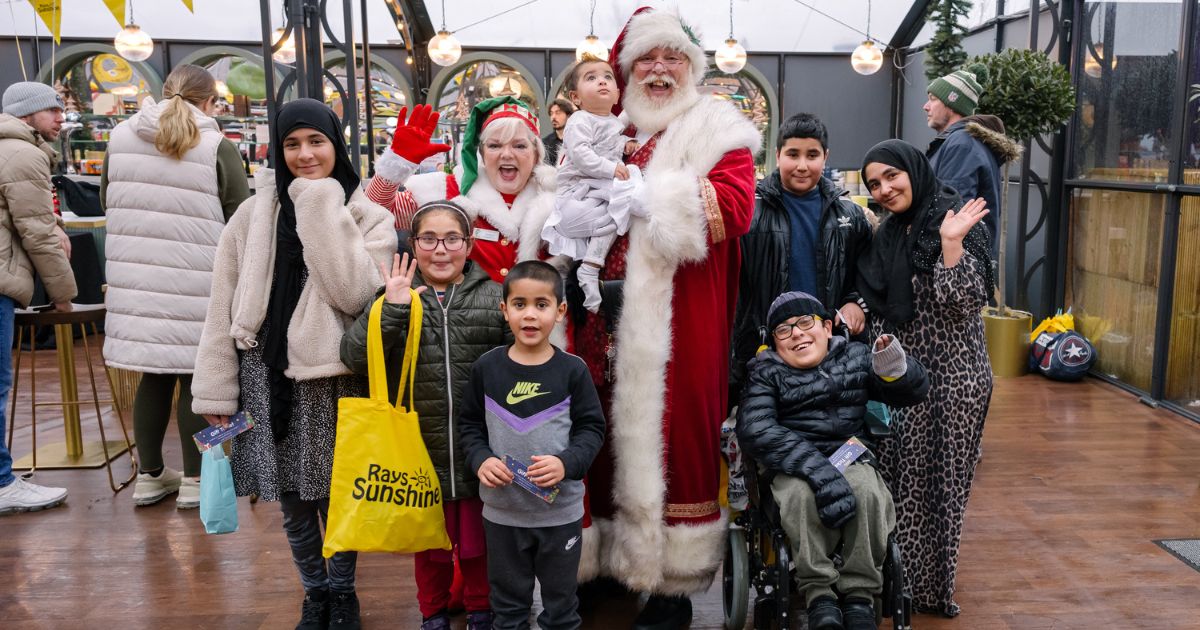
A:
(295, 266)
(926, 277)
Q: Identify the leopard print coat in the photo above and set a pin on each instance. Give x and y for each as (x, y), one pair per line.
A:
(931, 462)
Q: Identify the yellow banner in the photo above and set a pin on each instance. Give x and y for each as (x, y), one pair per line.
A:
(51, 13)
(188, 4)
(117, 8)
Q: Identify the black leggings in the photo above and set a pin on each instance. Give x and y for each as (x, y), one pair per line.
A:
(152, 414)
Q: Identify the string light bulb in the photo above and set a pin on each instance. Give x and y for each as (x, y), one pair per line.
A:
(867, 58)
(132, 42)
(444, 49)
(591, 44)
(731, 56)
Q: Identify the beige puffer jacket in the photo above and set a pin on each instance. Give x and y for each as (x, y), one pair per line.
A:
(27, 240)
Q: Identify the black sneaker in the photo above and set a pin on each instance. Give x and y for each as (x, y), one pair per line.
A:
(343, 611)
(314, 612)
(858, 615)
(664, 613)
(824, 614)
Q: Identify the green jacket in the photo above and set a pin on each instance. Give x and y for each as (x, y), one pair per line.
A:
(453, 336)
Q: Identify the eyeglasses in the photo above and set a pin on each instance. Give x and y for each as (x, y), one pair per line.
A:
(804, 322)
(429, 242)
(670, 62)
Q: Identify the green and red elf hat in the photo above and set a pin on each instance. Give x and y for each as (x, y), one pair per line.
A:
(482, 115)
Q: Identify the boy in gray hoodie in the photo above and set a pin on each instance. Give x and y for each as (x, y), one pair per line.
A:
(531, 410)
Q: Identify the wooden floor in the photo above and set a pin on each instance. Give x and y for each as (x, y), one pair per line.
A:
(1075, 483)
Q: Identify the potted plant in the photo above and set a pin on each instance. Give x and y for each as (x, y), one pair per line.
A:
(1032, 94)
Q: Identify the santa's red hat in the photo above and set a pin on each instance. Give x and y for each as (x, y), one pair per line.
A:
(648, 29)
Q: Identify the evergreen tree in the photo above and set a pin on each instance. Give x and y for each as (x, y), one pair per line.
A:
(945, 54)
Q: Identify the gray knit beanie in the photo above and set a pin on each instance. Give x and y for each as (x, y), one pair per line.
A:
(28, 97)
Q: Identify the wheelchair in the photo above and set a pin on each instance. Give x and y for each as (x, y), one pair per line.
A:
(757, 555)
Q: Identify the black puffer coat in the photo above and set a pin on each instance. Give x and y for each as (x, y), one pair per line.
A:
(845, 234)
(453, 336)
(792, 420)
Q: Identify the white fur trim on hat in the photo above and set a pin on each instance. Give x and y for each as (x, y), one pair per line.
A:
(660, 28)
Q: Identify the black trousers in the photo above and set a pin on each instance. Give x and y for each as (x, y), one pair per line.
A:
(517, 555)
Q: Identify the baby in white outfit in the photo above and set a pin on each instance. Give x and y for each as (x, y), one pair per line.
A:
(591, 172)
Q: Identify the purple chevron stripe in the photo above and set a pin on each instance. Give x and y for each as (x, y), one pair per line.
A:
(525, 425)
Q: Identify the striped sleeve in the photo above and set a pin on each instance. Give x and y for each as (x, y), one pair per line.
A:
(401, 202)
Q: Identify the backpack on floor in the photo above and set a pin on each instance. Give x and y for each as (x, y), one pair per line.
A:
(1065, 356)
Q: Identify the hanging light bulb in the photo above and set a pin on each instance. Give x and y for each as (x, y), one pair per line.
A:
(867, 59)
(444, 49)
(591, 45)
(286, 53)
(731, 57)
(132, 42)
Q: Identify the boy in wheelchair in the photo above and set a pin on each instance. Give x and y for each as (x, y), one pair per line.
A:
(804, 398)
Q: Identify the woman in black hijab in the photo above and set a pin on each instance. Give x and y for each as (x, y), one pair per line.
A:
(926, 277)
(296, 264)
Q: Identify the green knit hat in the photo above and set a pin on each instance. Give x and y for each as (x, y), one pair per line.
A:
(960, 90)
(483, 113)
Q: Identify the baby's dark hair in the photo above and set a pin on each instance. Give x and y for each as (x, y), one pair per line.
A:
(539, 271)
(449, 207)
(572, 81)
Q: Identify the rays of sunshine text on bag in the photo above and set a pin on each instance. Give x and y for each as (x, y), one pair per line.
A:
(416, 488)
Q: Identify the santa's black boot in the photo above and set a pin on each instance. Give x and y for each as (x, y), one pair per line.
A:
(663, 612)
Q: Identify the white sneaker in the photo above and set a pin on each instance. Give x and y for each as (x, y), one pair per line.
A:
(189, 494)
(22, 496)
(150, 489)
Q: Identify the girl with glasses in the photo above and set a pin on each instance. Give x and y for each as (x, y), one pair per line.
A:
(461, 321)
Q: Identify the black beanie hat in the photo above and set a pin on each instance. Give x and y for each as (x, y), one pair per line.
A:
(792, 304)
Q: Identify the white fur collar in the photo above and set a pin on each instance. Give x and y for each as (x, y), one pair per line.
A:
(524, 220)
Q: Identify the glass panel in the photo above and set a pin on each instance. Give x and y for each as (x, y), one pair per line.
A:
(99, 92)
(1191, 157)
(477, 82)
(1183, 379)
(748, 96)
(1127, 91)
(387, 97)
(1113, 285)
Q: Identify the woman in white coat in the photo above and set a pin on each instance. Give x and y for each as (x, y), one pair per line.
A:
(297, 264)
(171, 181)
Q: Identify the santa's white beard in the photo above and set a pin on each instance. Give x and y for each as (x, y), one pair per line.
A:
(652, 116)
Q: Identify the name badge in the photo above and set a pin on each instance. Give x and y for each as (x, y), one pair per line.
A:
(486, 235)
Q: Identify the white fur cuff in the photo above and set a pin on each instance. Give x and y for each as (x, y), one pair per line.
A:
(678, 226)
(394, 168)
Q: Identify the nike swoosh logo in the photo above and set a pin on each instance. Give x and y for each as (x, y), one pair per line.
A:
(512, 400)
(571, 543)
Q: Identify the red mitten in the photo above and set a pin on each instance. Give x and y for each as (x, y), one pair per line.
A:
(411, 140)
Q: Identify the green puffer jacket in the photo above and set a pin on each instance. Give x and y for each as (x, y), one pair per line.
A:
(452, 338)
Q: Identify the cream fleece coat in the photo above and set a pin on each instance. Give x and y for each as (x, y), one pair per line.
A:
(344, 245)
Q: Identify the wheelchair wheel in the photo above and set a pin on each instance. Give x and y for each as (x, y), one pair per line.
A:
(735, 578)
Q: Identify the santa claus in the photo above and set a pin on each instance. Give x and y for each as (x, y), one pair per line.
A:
(661, 366)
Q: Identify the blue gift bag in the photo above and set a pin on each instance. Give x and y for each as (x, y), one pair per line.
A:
(218, 503)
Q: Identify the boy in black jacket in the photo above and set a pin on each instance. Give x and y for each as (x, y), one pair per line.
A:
(803, 400)
(536, 405)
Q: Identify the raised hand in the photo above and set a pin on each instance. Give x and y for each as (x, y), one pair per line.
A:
(398, 281)
(955, 225)
(412, 138)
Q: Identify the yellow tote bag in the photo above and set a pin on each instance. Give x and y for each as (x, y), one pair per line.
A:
(384, 495)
